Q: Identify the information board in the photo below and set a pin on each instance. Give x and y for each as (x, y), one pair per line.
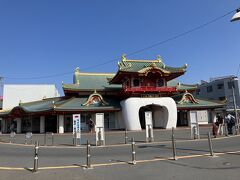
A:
(149, 126)
(77, 125)
(99, 128)
(195, 134)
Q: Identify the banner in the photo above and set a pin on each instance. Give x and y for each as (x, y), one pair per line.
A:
(77, 125)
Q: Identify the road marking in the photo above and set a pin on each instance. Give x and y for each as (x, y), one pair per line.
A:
(120, 163)
(12, 168)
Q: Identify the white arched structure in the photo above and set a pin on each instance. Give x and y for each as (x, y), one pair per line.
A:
(165, 117)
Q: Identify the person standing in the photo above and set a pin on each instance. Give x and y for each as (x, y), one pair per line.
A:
(220, 125)
(215, 129)
(91, 125)
(230, 122)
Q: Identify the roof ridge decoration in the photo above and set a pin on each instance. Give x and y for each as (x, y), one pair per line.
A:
(123, 64)
(95, 99)
(77, 71)
(188, 97)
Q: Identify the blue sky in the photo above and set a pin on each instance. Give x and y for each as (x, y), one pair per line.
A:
(48, 37)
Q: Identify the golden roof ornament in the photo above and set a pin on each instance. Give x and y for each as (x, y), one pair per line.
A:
(159, 58)
(124, 57)
(77, 70)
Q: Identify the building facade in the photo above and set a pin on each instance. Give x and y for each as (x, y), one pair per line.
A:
(124, 97)
(222, 88)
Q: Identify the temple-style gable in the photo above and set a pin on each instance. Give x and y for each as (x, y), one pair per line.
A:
(146, 76)
(95, 99)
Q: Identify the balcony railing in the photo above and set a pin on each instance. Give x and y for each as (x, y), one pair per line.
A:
(149, 89)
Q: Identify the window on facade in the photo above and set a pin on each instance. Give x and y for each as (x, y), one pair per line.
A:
(220, 86)
(222, 98)
(230, 99)
(136, 82)
(160, 82)
(209, 89)
(231, 85)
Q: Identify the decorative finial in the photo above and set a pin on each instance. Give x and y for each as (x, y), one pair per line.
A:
(185, 65)
(159, 58)
(77, 70)
(20, 102)
(124, 57)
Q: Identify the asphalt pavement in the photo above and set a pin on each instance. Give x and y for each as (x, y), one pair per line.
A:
(153, 160)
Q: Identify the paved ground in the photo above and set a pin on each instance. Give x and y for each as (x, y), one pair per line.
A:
(112, 137)
(154, 160)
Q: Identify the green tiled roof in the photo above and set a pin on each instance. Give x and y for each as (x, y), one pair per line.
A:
(180, 86)
(91, 81)
(62, 104)
(139, 65)
(195, 103)
(78, 104)
(201, 104)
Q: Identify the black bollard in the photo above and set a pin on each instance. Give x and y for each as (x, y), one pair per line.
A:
(126, 137)
(36, 150)
(88, 155)
(210, 144)
(75, 139)
(174, 145)
(133, 152)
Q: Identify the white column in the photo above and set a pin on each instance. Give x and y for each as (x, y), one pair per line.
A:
(42, 124)
(61, 124)
(19, 125)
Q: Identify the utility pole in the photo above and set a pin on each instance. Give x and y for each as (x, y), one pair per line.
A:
(234, 103)
(1, 85)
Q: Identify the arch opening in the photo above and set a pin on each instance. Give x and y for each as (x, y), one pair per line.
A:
(159, 115)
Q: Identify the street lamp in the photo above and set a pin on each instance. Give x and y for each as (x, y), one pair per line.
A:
(236, 16)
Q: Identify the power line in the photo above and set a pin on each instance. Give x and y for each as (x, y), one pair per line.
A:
(134, 52)
(39, 77)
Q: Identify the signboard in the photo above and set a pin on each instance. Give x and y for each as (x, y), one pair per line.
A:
(149, 126)
(195, 134)
(99, 128)
(77, 125)
(148, 118)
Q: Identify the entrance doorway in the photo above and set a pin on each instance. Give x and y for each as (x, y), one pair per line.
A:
(182, 118)
(51, 123)
(159, 116)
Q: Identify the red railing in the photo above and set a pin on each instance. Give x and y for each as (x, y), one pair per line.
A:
(150, 89)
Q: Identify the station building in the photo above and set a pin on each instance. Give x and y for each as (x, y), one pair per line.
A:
(138, 86)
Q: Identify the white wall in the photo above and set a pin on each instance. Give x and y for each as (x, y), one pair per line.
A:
(14, 93)
(131, 107)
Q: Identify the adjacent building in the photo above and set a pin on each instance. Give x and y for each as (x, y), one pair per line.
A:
(222, 88)
(16, 94)
(124, 97)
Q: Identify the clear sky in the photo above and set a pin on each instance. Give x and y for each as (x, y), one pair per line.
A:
(48, 37)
